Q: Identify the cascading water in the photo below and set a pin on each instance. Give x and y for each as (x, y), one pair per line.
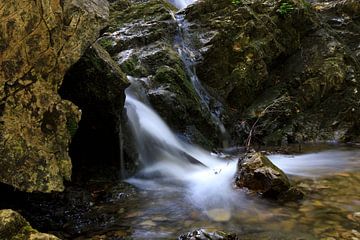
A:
(189, 58)
(205, 177)
(165, 158)
(181, 3)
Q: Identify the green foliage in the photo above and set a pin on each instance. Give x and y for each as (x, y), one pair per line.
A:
(236, 2)
(285, 8)
(106, 43)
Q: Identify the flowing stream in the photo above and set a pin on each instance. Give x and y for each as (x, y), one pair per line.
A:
(192, 196)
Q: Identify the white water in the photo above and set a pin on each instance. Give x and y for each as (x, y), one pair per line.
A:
(167, 160)
(180, 4)
(189, 58)
(318, 164)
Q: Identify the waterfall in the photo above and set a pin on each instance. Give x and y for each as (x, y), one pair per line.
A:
(164, 157)
(180, 4)
(189, 58)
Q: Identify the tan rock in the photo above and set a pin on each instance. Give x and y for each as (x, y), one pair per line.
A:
(39, 41)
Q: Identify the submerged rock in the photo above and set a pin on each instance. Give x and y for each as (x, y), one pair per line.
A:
(257, 173)
(14, 226)
(202, 234)
(219, 214)
(39, 41)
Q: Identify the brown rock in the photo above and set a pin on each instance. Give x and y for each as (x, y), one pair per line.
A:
(257, 173)
(39, 41)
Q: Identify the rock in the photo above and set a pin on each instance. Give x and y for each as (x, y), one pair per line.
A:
(291, 74)
(257, 173)
(96, 84)
(39, 41)
(202, 234)
(14, 226)
(141, 39)
(219, 214)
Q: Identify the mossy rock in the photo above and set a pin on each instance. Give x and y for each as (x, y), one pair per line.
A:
(14, 227)
(257, 173)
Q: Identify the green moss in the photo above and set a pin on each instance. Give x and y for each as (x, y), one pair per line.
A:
(72, 126)
(285, 9)
(106, 42)
(132, 67)
(157, 10)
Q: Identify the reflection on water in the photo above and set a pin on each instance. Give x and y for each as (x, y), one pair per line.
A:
(165, 208)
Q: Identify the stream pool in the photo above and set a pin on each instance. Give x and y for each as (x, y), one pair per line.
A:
(164, 209)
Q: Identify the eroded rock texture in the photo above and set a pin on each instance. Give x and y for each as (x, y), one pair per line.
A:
(39, 41)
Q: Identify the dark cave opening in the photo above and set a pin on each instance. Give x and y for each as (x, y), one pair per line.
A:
(98, 90)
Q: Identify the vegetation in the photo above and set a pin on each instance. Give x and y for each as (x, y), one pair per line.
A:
(236, 2)
(285, 9)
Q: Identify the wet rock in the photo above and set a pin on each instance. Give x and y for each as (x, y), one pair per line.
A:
(39, 41)
(257, 173)
(202, 234)
(14, 226)
(140, 38)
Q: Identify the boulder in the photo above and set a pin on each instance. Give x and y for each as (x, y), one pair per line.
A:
(14, 226)
(258, 174)
(39, 41)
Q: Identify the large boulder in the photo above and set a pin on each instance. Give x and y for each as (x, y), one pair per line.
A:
(39, 41)
(258, 174)
(13, 226)
(285, 75)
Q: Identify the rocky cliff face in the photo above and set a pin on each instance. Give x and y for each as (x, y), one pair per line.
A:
(141, 39)
(289, 73)
(39, 41)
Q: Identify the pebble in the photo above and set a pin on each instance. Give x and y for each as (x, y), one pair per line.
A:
(219, 214)
(148, 223)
